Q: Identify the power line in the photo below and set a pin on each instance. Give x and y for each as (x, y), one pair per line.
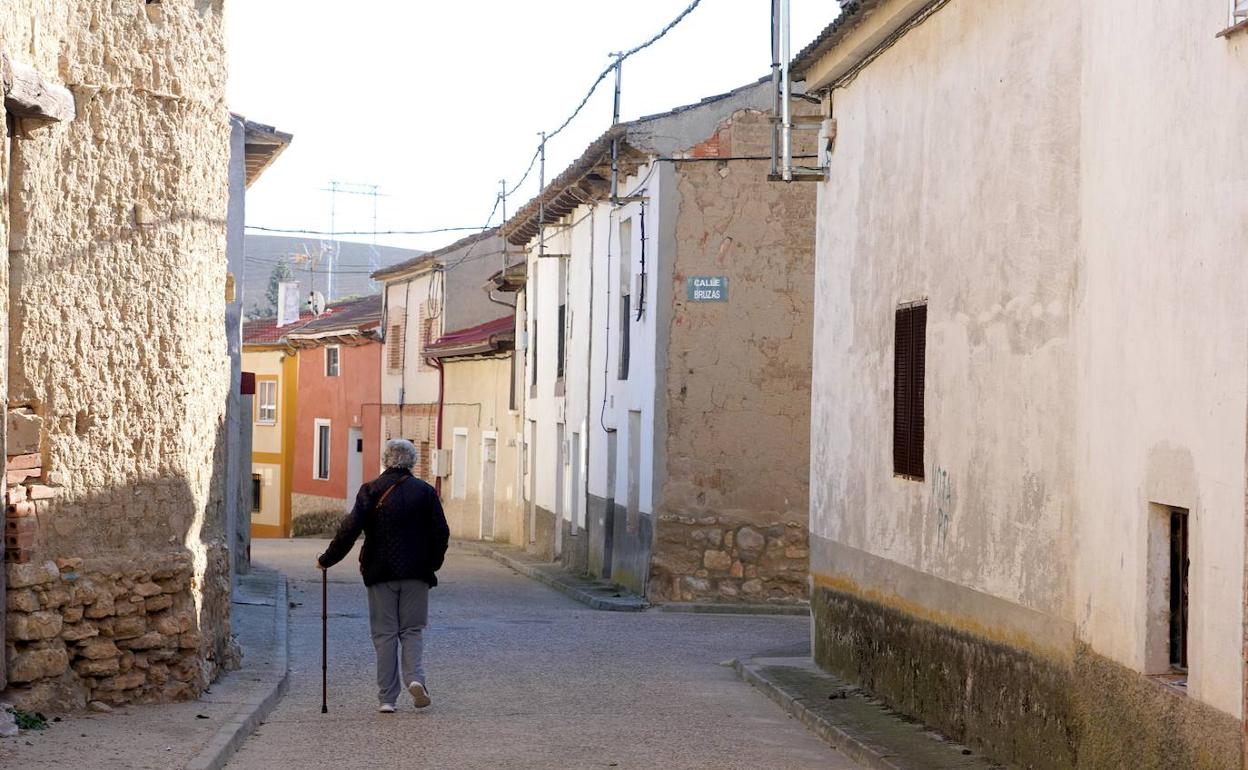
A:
(360, 232)
(618, 60)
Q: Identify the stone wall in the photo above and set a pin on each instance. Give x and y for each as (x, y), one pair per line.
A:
(115, 228)
(732, 521)
(715, 557)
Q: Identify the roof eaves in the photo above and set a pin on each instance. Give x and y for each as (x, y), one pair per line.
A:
(852, 13)
(579, 183)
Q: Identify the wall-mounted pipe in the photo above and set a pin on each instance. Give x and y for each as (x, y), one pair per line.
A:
(786, 90)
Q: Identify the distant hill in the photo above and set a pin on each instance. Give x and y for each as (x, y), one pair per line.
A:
(309, 259)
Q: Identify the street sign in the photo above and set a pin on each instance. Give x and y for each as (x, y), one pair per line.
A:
(707, 288)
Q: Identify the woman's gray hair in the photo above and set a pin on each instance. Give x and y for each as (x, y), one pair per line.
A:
(400, 453)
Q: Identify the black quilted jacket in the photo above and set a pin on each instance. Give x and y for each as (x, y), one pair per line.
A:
(404, 539)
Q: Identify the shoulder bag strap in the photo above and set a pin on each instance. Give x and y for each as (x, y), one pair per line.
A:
(386, 494)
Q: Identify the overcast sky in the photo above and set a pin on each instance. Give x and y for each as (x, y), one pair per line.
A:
(435, 102)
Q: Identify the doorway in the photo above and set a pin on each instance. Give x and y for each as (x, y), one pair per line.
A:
(560, 490)
(489, 453)
(355, 464)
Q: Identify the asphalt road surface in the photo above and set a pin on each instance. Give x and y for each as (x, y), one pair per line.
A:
(522, 677)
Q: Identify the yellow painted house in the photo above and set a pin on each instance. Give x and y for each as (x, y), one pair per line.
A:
(276, 370)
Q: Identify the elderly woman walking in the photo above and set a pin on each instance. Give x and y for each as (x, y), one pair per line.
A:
(405, 540)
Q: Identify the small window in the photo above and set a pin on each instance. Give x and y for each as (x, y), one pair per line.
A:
(1239, 12)
(257, 484)
(626, 328)
(1179, 567)
(266, 402)
(909, 365)
(512, 402)
(561, 355)
(331, 361)
(626, 301)
(321, 450)
(533, 358)
(561, 350)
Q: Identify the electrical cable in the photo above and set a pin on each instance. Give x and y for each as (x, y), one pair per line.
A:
(359, 232)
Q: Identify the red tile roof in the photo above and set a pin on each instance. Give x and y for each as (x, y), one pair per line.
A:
(265, 331)
(482, 338)
(359, 313)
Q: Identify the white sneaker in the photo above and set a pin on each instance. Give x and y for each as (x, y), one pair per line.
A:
(420, 697)
(386, 708)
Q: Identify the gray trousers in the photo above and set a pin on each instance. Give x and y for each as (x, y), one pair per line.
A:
(397, 612)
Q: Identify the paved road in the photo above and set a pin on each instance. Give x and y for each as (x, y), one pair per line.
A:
(522, 677)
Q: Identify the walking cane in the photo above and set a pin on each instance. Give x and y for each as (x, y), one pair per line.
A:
(324, 641)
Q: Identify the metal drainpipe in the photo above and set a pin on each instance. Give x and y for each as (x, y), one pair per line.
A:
(786, 139)
(437, 480)
(775, 87)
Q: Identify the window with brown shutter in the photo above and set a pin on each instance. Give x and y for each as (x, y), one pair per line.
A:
(394, 348)
(909, 365)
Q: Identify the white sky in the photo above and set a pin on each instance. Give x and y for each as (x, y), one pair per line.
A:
(435, 102)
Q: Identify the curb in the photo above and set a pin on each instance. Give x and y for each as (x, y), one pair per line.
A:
(244, 722)
(708, 608)
(625, 603)
(839, 739)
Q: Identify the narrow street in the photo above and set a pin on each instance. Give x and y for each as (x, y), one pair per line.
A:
(522, 677)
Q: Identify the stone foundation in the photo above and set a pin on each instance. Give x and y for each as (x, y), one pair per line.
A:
(713, 558)
(80, 631)
(305, 504)
(1019, 707)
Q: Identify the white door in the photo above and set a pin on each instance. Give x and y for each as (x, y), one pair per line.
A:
(489, 446)
(355, 464)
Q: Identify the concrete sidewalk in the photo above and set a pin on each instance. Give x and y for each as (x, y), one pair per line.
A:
(852, 722)
(196, 735)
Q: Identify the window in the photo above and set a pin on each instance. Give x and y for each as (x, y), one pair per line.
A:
(320, 450)
(331, 361)
(257, 484)
(626, 301)
(1167, 610)
(626, 314)
(394, 347)
(1239, 11)
(533, 358)
(561, 354)
(266, 402)
(562, 345)
(1178, 594)
(511, 388)
(909, 364)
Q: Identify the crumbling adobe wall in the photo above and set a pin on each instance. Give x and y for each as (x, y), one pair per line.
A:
(732, 522)
(116, 238)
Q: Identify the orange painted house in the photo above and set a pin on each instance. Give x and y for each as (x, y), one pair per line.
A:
(337, 426)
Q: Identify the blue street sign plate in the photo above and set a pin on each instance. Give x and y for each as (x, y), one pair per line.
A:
(707, 288)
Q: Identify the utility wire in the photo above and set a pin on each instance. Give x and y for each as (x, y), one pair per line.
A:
(597, 82)
(361, 232)
(619, 59)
